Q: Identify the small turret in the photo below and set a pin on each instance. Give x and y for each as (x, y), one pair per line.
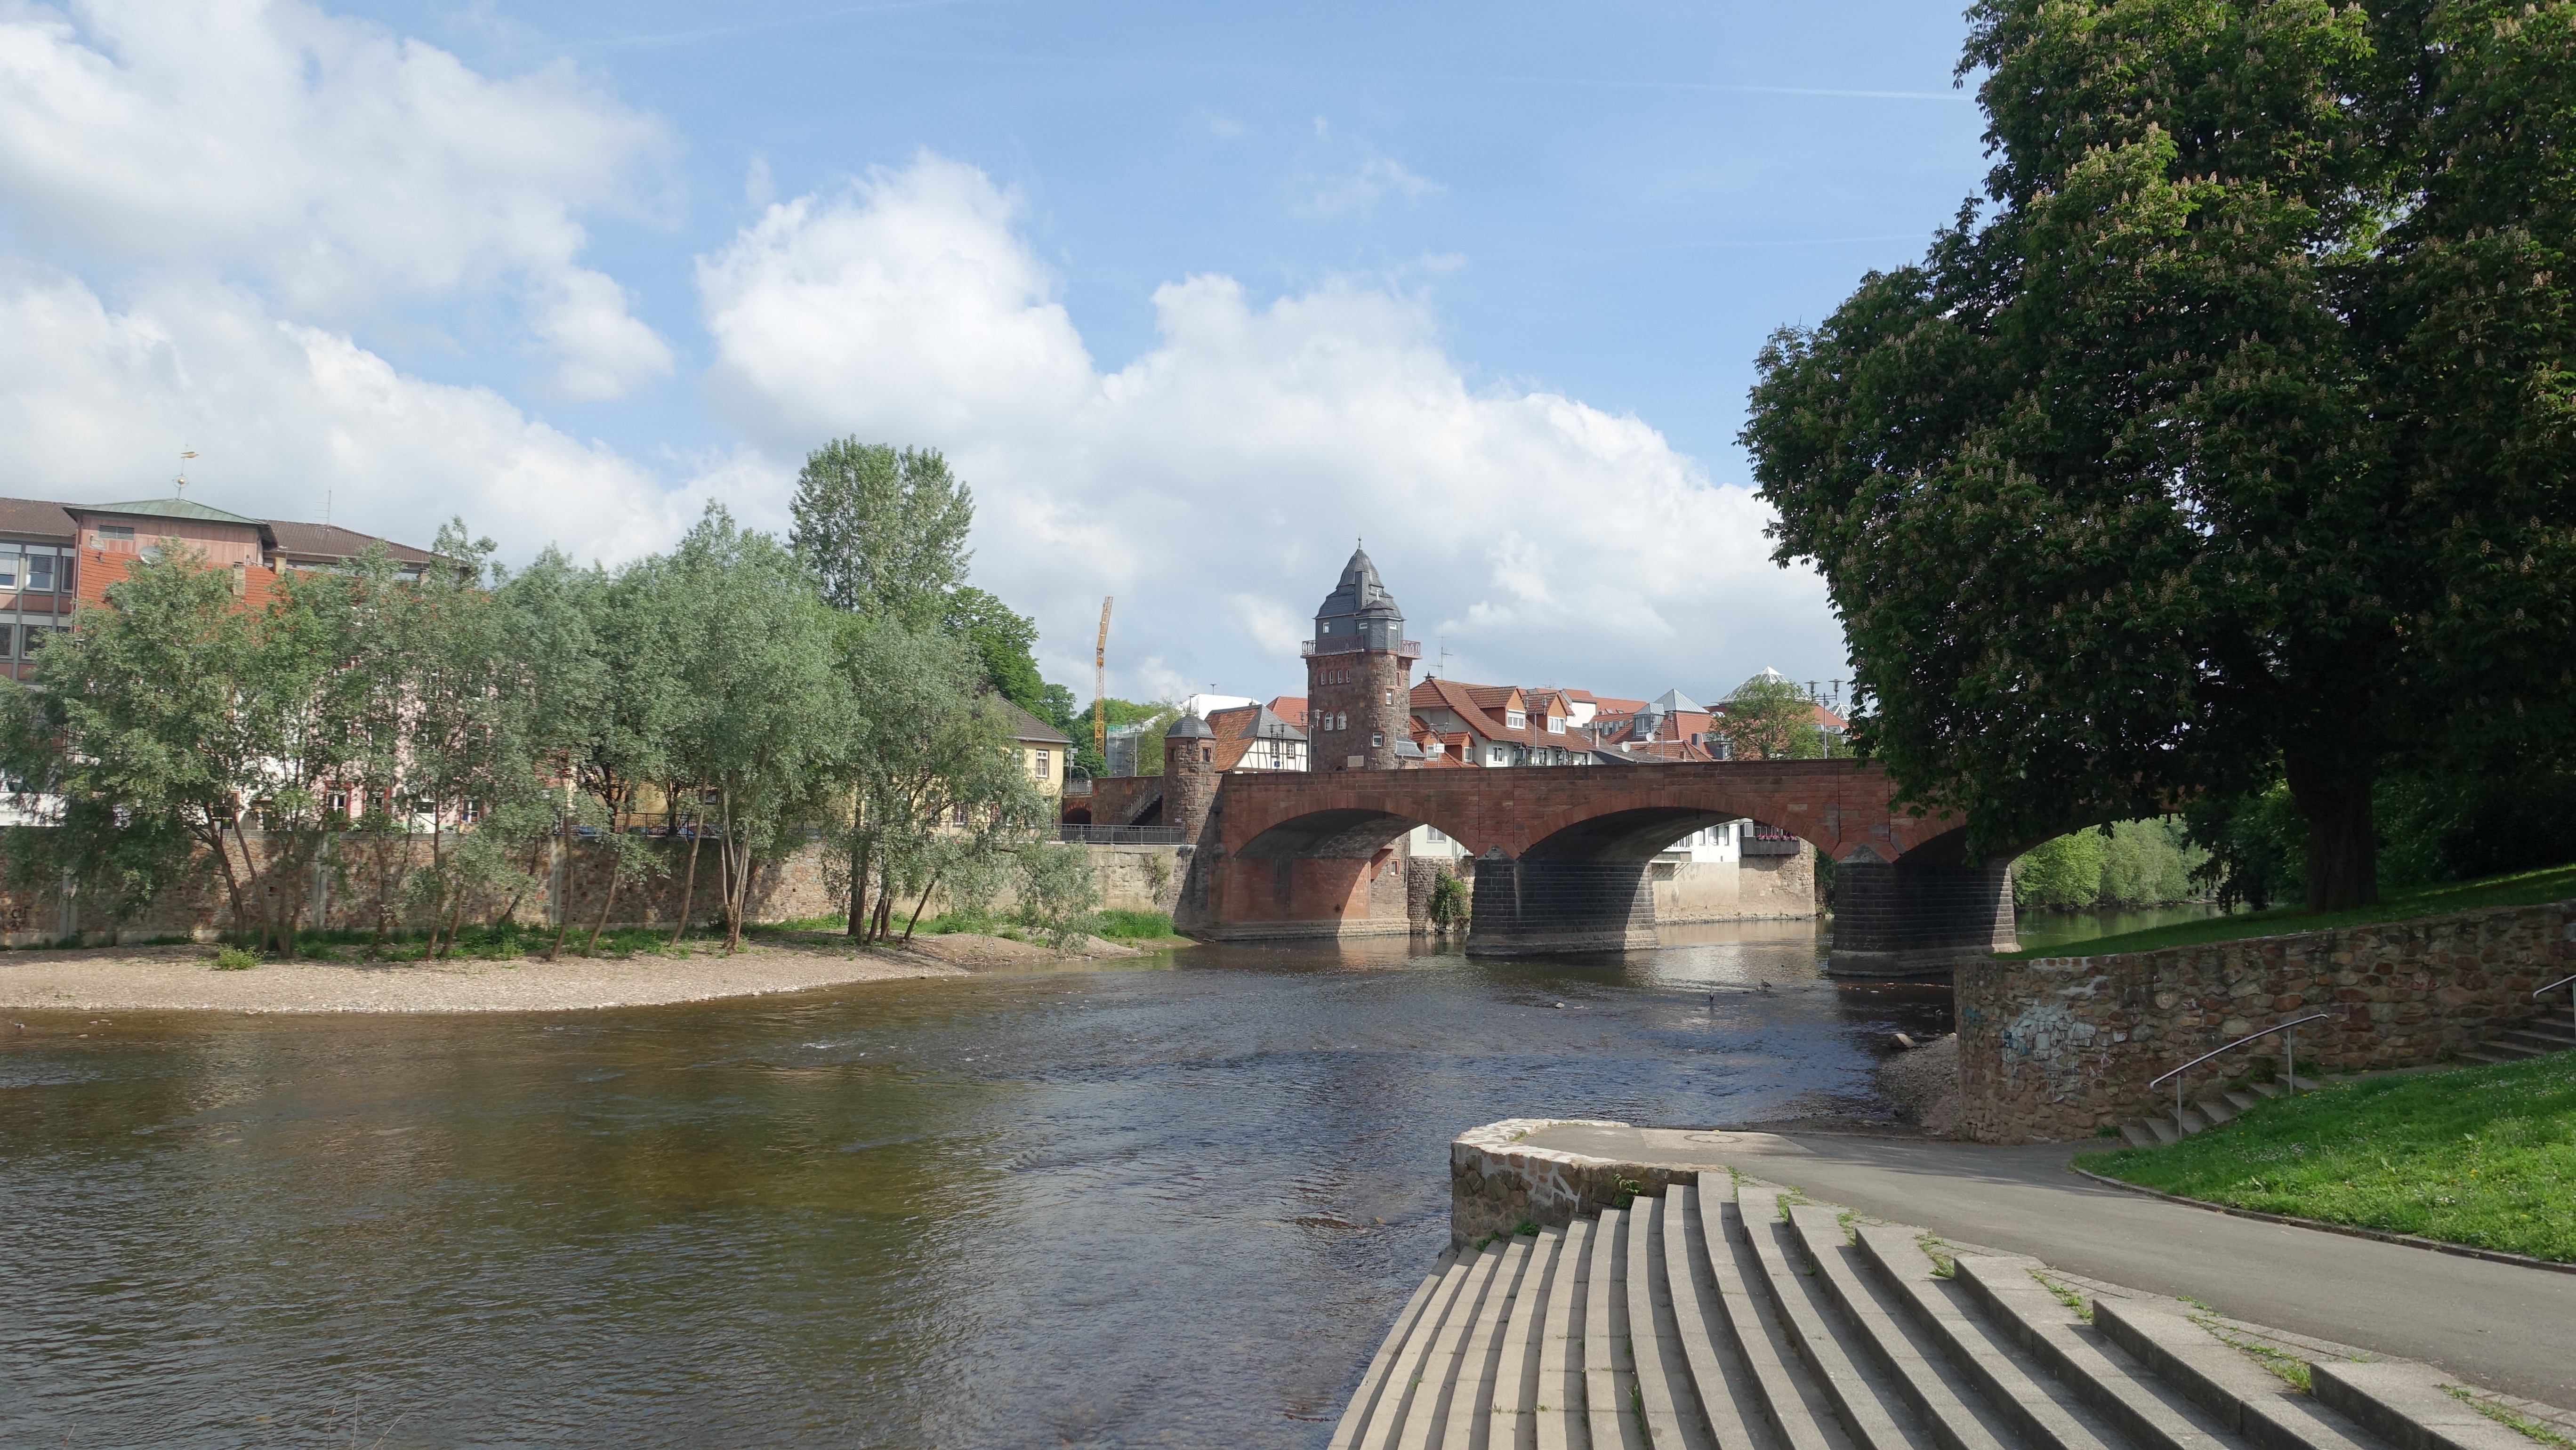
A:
(1189, 776)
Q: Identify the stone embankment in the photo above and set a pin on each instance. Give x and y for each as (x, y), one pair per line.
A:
(2060, 1048)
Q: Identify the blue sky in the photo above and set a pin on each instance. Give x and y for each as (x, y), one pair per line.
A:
(1192, 297)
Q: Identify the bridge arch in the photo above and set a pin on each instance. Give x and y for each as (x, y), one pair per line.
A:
(1563, 854)
(1637, 833)
(1338, 832)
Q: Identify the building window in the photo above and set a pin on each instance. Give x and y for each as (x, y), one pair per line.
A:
(105, 532)
(1555, 724)
(1377, 738)
(1495, 755)
(8, 639)
(958, 815)
(1043, 765)
(40, 573)
(1328, 629)
(1515, 720)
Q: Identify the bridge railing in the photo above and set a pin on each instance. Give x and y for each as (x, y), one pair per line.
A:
(1120, 835)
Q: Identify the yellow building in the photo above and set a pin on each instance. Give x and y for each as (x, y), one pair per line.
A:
(1044, 750)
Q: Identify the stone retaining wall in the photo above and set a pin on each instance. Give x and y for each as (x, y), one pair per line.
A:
(342, 892)
(2058, 1048)
(1495, 1185)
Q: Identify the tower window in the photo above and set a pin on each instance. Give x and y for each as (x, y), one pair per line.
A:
(1377, 737)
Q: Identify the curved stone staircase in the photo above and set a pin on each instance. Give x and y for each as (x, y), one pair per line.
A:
(1733, 1315)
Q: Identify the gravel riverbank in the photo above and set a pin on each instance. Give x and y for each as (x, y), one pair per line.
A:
(183, 978)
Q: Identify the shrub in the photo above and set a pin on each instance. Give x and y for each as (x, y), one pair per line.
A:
(234, 959)
(1132, 925)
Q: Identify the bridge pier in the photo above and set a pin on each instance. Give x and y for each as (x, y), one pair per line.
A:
(1910, 921)
(1536, 908)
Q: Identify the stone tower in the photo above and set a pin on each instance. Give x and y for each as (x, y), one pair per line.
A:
(1359, 674)
(1189, 776)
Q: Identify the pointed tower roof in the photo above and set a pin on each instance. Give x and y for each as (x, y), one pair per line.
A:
(1360, 593)
(1767, 677)
(1674, 701)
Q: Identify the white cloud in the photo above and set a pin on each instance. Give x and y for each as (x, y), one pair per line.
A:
(333, 162)
(1375, 177)
(583, 319)
(1214, 484)
(97, 401)
(1351, 177)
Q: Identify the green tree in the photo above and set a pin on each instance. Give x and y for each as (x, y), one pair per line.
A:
(178, 732)
(763, 714)
(2232, 443)
(938, 792)
(883, 531)
(1772, 720)
(2065, 871)
(1005, 642)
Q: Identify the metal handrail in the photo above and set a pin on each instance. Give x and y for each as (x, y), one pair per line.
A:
(2289, 1051)
(2554, 986)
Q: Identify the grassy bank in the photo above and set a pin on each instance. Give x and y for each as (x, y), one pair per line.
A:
(512, 941)
(2484, 1156)
(2522, 888)
(1129, 928)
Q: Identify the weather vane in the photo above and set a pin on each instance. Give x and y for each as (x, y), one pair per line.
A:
(179, 485)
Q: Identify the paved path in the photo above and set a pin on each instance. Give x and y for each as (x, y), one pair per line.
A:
(2507, 1328)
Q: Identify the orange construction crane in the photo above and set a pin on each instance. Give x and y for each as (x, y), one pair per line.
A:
(1100, 683)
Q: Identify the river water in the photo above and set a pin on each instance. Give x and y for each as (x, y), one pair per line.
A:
(1174, 1203)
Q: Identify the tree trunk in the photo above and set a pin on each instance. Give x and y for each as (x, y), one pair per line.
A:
(689, 890)
(919, 905)
(608, 900)
(2343, 846)
(741, 899)
(859, 892)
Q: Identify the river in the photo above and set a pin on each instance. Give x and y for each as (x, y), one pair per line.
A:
(1175, 1203)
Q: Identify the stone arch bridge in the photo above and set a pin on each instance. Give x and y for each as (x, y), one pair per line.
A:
(1563, 855)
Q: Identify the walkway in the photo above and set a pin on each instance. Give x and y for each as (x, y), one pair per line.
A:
(2507, 1328)
(1735, 1314)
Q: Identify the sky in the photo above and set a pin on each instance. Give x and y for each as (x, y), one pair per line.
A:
(1192, 297)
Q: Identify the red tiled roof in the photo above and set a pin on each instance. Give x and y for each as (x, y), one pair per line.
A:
(1236, 730)
(1291, 708)
(330, 541)
(1460, 700)
(38, 518)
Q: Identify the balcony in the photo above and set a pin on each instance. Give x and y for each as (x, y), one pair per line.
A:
(1410, 649)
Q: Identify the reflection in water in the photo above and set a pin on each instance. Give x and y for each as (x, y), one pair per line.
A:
(1169, 1205)
(2066, 928)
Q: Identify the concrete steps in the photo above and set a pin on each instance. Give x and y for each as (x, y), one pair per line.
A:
(1735, 1315)
(2536, 1038)
(2220, 1104)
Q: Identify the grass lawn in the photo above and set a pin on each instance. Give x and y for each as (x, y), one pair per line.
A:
(2523, 888)
(2475, 1155)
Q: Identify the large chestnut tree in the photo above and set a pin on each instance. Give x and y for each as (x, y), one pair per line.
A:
(2230, 438)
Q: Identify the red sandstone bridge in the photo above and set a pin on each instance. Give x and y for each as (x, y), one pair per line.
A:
(1562, 852)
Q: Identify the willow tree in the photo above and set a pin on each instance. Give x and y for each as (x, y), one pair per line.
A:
(2231, 439)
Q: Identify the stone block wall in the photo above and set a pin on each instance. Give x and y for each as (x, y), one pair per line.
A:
(1495, 1183)
(1777, 886)
(2057, 1048)
(342, 893)
(1138, 878)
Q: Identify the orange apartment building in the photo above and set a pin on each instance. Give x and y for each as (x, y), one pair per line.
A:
(54, 557)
